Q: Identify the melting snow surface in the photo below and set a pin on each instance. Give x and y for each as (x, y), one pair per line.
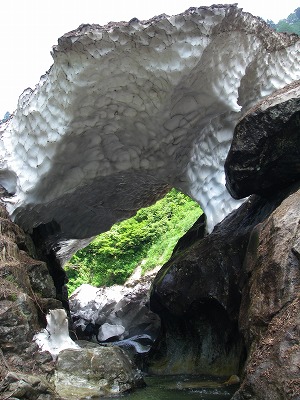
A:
(55, 337)
(132, 109)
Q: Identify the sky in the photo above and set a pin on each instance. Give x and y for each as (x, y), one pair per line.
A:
(29, 29)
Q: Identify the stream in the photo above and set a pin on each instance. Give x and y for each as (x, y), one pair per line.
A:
(181, 387)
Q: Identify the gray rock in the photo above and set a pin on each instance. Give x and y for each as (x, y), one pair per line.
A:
(115, 312)
(22, 310)
(269, 314)
(27, 386)
(40, 279)
(95, 372)
(272, 370)
(197, 296)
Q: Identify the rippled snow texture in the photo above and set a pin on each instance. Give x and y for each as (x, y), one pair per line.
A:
(131, 109)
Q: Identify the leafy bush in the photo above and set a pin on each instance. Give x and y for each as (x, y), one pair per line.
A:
(149, 236)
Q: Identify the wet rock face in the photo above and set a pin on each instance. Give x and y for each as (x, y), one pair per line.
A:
(151, 105)
(272, 264)
(203, 341)
(264, 156)
(197, 295)
(272, 371)
(264, 159)
(232, 298)
(269, 314)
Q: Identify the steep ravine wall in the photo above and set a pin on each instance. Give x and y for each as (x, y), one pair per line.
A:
(27, 292)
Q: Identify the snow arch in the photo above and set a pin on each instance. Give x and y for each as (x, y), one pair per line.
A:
(131, 109)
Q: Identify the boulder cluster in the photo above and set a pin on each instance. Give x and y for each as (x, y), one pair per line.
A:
(118, 313)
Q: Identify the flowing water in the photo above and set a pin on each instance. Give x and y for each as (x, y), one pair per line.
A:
(181, 388)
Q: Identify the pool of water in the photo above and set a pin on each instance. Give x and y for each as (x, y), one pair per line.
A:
(181, 388)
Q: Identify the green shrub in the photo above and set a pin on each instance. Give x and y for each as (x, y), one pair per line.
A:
(149, 236)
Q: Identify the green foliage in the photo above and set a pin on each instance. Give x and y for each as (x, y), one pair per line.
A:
(291, 24)
(148, 238)
(284, 26)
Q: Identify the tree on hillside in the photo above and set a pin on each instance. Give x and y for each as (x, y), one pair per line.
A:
(284, 26)
(294, 17)
(271, 24)
(6, 117)
(291, 24)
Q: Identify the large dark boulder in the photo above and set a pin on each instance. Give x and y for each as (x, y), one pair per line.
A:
(250, 266)
(197, 295)
(265, 151)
